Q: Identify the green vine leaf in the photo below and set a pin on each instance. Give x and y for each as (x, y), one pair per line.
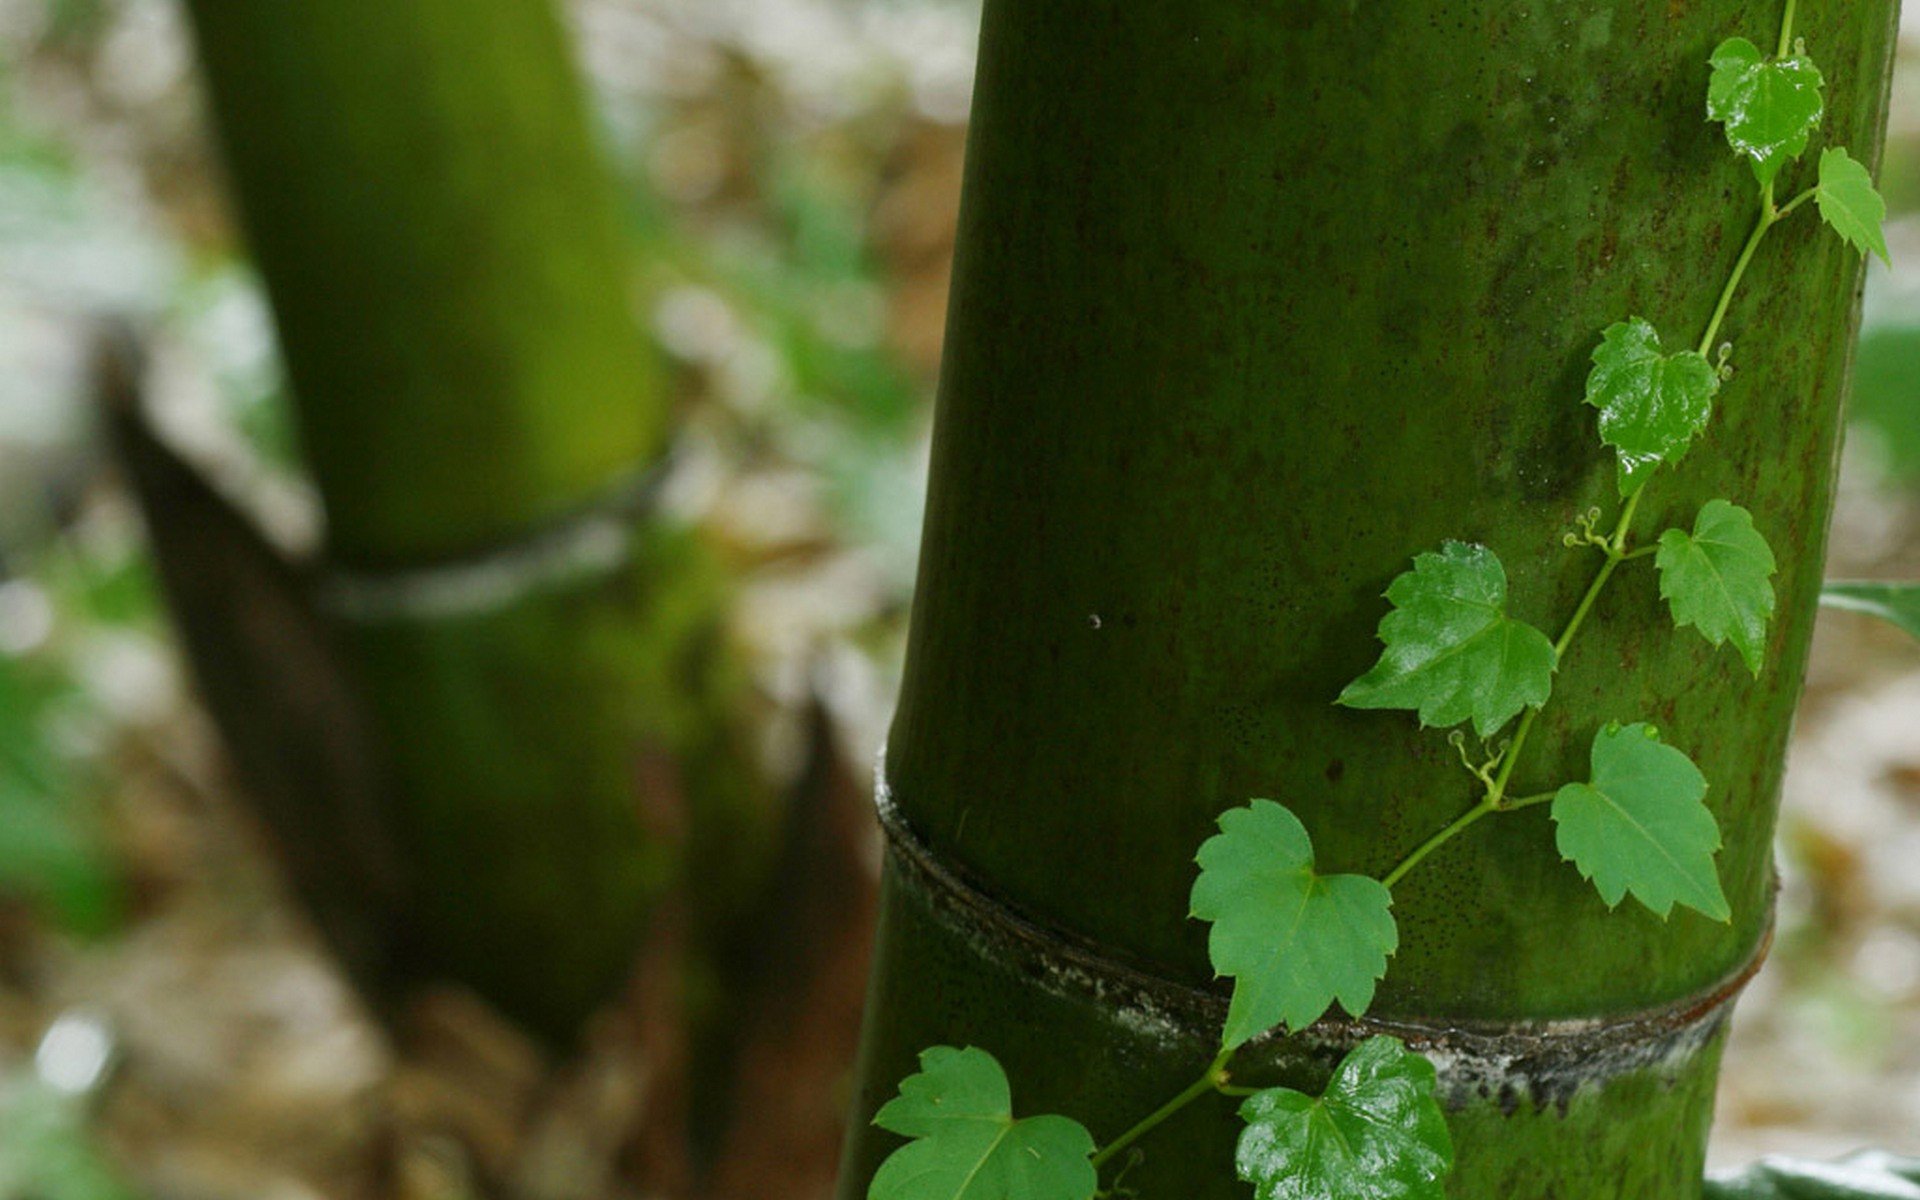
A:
(1377, 1133)
(966, 1144)
(1452, 652)
(1651, 404)
(1716, 579)
(1847, 202)
(1769, 106)
(1293, 940)
(1895, 602)
(1640, 826)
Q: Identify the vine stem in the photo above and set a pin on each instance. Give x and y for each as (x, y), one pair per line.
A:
(1213, 1079)
(1436, 841)
(1616, 553)
(1768, 216)
(1794, 203)
(1614, 546)
(1495, 798)
(1528, 801)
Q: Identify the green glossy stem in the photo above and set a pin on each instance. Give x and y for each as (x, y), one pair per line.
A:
(1438, 840)
(1765, 222)
(1212, 1081)
(1511, 756)
(1794, 203)
(1528, 801)
(1615, 550)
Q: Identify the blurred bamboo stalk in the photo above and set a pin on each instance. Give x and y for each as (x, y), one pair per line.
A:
(539, 660)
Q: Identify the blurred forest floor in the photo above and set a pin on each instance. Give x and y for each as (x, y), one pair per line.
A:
(168, 1027)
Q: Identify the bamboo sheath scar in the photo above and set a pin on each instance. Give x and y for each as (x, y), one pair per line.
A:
(1251, 304)
(596, 541)
(1512, 1063)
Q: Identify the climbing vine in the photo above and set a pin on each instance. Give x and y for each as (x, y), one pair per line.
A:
(1296, 941)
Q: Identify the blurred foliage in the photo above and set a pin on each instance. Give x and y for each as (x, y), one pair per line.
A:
(1886, 396)
(48, 850)
(1885, 408)
(64, 631)
(802, 376)
(1866, 1176)
(76, 24)
(47, 1151)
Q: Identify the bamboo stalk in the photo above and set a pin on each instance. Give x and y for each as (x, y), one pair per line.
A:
(1252, 304)
(542, 658)
(444, 255)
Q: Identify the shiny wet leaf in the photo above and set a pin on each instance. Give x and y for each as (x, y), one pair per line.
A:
(1651, 404)
(1376, 1133)
(1768, 105)
(1452, 652)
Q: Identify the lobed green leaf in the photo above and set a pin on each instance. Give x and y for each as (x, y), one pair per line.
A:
(1651, 404)
(1716, 579)
(1769, 106)
(1640, 826)
(1847, 201)
(1377, 1133)
(1293, 940)
(966, 1143)
(1895, 602)
(1452, 652)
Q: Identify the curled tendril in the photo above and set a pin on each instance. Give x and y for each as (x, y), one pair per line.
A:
(1589, 534)
(1117, 1190)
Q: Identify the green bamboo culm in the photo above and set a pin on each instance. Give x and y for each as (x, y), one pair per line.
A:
(445, 260)
(444, 254)
(1251, 304)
